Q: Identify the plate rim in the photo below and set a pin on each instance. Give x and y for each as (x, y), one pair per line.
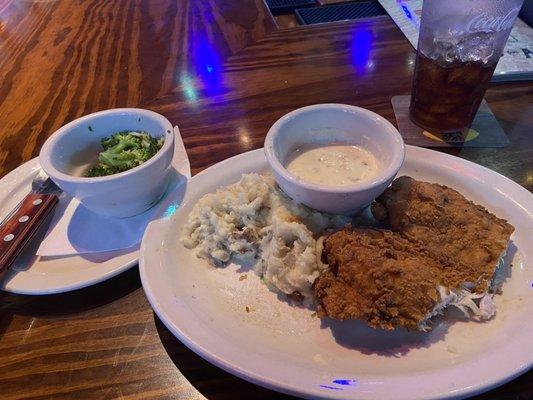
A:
(269, 383)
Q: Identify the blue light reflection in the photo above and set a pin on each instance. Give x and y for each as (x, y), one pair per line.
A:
(345, 382)
(207, 64)
(361, 48)
(171, 210)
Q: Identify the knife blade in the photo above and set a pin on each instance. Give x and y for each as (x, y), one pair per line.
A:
(43, 184)
(21, 224)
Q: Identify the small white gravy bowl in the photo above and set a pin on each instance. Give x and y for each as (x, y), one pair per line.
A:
(75, 146)
(327, 124)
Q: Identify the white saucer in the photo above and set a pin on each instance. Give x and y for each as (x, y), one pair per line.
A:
(37, 275)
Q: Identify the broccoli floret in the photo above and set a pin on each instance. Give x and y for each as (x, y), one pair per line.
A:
(100, 170)
(123, 151)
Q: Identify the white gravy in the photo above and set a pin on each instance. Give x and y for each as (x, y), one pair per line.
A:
(333, 165)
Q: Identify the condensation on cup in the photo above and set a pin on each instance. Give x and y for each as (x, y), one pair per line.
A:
(459, 46)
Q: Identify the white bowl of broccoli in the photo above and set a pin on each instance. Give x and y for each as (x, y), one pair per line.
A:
(115, 162)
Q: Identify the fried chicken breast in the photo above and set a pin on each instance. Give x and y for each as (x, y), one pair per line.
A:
(459, 234)
(377, 276)
(441, 250)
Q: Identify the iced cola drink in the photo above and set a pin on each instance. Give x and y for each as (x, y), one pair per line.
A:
(459, 46)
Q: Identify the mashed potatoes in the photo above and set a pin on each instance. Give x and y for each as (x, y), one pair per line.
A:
(253, 221)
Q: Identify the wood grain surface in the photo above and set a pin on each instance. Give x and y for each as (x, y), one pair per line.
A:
(223, 72)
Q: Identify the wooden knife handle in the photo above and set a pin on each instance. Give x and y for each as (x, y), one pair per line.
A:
(17, 231)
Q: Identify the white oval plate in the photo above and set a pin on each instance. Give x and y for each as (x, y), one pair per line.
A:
(47, 275)
(288, 349)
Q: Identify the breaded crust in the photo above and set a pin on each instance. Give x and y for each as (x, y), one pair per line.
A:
(377, 276)
(460, 235)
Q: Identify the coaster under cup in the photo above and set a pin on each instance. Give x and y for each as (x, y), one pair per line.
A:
(485, 130)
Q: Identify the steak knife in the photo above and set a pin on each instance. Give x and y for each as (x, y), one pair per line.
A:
(21, 224)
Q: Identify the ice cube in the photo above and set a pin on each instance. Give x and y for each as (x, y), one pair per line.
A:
(476, 47)
(442, 50)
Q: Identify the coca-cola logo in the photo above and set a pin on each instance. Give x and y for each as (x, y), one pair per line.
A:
(485, 22)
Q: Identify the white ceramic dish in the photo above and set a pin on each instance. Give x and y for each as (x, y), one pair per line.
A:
(35, 275)
(289, 350)
(324, 124)
(121, 195)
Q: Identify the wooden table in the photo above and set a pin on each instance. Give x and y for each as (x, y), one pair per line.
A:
(224, 72)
